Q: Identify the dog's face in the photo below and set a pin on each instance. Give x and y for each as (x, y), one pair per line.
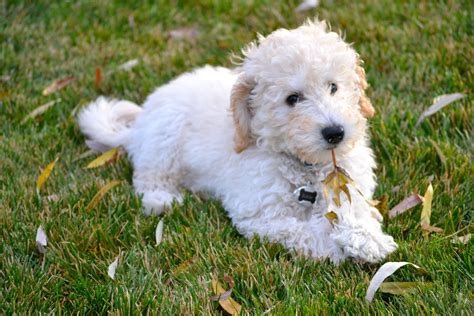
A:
(301, 92)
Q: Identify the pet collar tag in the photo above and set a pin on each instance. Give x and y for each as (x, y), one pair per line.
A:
(306, 195)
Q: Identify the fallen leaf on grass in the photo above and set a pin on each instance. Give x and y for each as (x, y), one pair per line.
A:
(382, 273)
(52, 198)
(4, 94)
(307, 5)
(426, 213)
(184, 33)
(159, 232)
(39, 110)
(400, 288)
(409, 202)
(183, 266)
(99, 195)
(112, 268)
(58, 85)
(439, 103)
(128, 65)
(41, 240)
(45, 175)
(98, 77)
(107, 157)
(225, 301)
(462, 239)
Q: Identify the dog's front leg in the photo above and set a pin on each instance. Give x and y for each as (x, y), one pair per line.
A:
(358, 231)
(310, 238)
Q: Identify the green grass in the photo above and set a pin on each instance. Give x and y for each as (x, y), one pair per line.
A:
(412, 51)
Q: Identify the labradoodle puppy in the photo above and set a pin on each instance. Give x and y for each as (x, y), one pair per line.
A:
(259, 138)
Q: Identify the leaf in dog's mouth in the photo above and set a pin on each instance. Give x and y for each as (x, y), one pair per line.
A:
(337, 182)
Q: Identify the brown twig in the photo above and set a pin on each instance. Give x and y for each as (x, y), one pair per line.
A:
(333, 158)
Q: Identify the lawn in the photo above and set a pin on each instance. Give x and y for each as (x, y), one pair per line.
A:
(413, 52)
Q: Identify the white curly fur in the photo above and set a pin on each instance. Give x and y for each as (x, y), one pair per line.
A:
(231, 135)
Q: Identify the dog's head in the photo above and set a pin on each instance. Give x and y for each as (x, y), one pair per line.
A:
(301, 92)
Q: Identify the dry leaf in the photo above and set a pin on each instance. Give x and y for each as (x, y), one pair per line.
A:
(426, 213)
(307, 5)
(337, 182)
(409, 202)
(107, 157)
(384, 272)
(228, 303)
(462, 239)
(39, 110)
(184, 33)
(98, 77)
(128, 65)
(99, 195)
(41, 240)
(439, 103)
(331, 216)
(183, 266)
(58, 85)
(112, 268)
(4, 95)
(45, 175)
(159, 232)
(400, 288)
(52, 198)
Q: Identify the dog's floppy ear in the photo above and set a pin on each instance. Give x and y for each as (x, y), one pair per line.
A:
(365, 105)
(241, 113)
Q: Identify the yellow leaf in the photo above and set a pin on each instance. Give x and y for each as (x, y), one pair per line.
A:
(58, 85)
(331, 216)
(228, 304)
(45, 175)
(99, 195)
(183, 266)
(426, 213)
(399, 288)
(106, 157)
(337, 182)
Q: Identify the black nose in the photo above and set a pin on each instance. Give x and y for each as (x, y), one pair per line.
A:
(333, 134)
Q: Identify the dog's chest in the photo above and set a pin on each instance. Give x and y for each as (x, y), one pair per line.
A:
(304, 198)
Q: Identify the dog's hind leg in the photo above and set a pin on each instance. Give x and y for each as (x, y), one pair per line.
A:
(154, 151)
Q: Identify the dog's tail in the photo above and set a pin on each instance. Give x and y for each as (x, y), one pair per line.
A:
(107, 122)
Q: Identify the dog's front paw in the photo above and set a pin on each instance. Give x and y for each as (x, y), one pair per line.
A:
(369, 248)
(362, 244)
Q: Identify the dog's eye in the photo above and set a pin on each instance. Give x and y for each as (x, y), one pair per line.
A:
(333, 88)
(292, 99)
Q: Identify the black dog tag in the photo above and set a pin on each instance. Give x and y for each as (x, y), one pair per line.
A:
(306, 194)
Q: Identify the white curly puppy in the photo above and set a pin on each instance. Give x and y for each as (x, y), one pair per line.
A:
(259, 139)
